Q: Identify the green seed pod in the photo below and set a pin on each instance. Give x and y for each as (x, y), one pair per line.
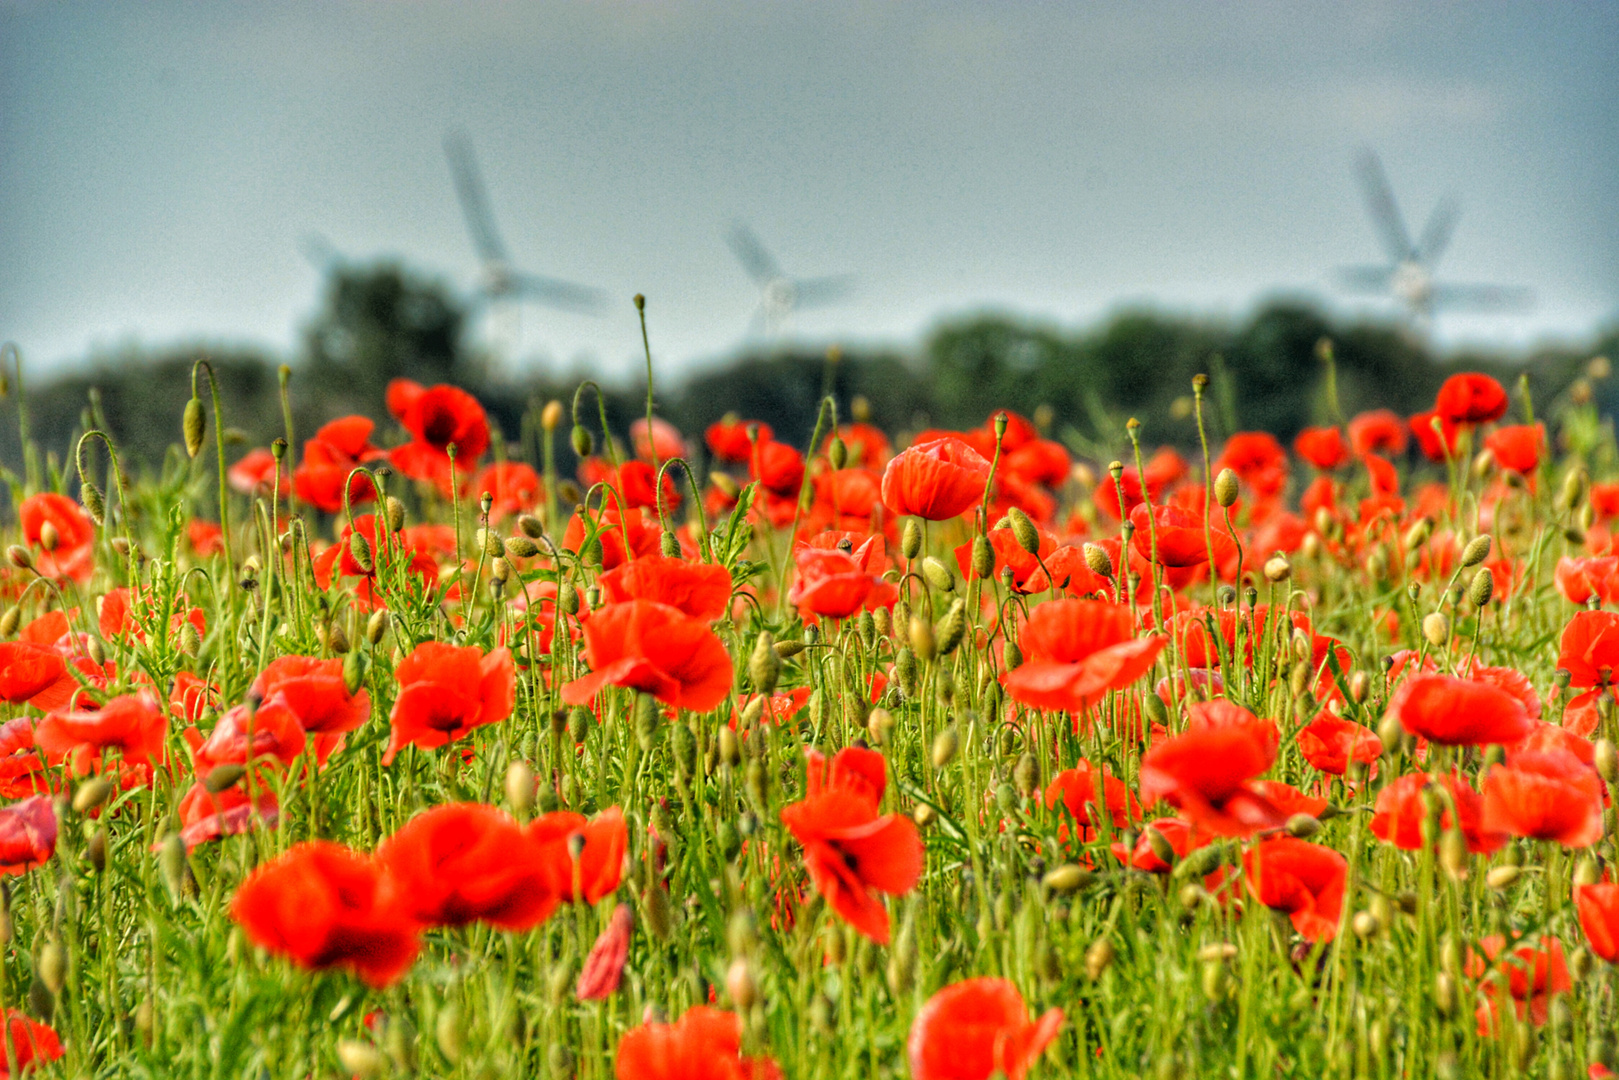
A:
(648, 720)
(983, 557)
(910, 541)
(1482, 587)
(938, 575)
(1011, 656)
(1436, 628)
(360, 548)
(1026, 774)
(922, 640)
(193, 425)
(1225, 488)
(764, 665)
(1476, 551)
(579, 723)
(583, 444)
(952, 628)
(945, 745)
(1024, 531)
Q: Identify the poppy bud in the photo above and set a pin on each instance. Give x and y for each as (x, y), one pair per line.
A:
(376, 627)
(922, 643)
(756, 782)
(1360, 686)
(1502, 877)
(193, 424)
(223, 778)
(95, 503)
(924, 815)
(1225, 488)
(837, 453)
(20, 557)
(1024, 531)
(1067, 878)
(730, 750)
(938, 575)
(655, 909)
(582, 442)
(1303, 826)
(1098, 958)
(1453, 854)
(1476, 551)
(520, 787)
(1011, 656)
(360, 1058)
(764, 665)
(172, 861)
(52, 966)
(1389, 732)
(360, 548)
(490, 543)
(449, 1033)
(880, 726)
(952, 628)
(579, 721)
(10, 621)
(647, 720)
(1436, 628)
(902, 962)
(337, 639)
(1026, 774)
(945, 745)
(190, 642)
(910, 541)
(1160, 845)
(683, 748)
(91, 794)
(740, 984)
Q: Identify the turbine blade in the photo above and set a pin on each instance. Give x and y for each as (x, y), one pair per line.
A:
(553, 292)
(821, 291)
(1364, 280)
(1385, 212)
(1495, 299)
(1437, 232)
(473, 196)
(758, 262)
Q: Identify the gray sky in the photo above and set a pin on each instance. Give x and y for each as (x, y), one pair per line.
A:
(161, 163)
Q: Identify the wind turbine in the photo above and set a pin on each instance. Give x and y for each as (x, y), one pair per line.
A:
(1409, 274)
(503, 287)
(779, 295)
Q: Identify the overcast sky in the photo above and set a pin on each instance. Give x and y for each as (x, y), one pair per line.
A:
(162, 164)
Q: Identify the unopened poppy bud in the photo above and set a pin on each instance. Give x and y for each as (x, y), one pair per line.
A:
(910, 541)
(531, 527)
(764, 665)
(1067, 878)
(1278, 569)
(741, 985)
(945, 745)
(905, 670)
(880, 726)
(1444, 993)
(1606, 759)
(360, 548)
(96, 849)
(190, 642)
(1453, 854)
(376, 627)
(579, 721)
(490, 544)
(938, 575)
(1098, 958)
(1303, 826)
(53, 966)
(1360, 686)
(500, 571)
(1157, 712)
(1160, 845)
(952, 628)
(49, 538)
(450, 1033)
(1587, 871)
(222, 778)
(172, 861)
(1389, 732)
(1024, 531)
(1011, 656)
(983, 557)
(10, 621)
(1215, 980)
(193, 425)
(656, 911)
(1365, 924)
(1476, 551)
(91, 794)
(648, 720)
(837, 453)
(337, 639)
(1502, 877)
(1225, 488)
(922, 643)
(583, 444)
(360, 1058)
(20, 557)
(1026, 774)
(1436, 628)
(1482, 587)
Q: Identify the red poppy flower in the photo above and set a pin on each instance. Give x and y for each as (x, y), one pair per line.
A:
(27, 834)
(1598, 907)
(1548, 796)
(328, 458)
(1579, 579)
(664, 444)
(1258, 460)
(314, 692)
(778, 708)
(1378, 431)
(1039, 461)
(1381, 475)
(866, 444)
(1589, 648)
(976, 1029)
(730, 441)
(778, 467)
(1182, 837)
(604, 967)
(1207, 774)
(465, 862)
(1517, 448)
(622, 537)
(656, 649)
(245, 735)
(445, 691)
(1533, 975)
(437, 418)
(1459, 712)
(600, 864)
(207, 816)
(512, 487)
(132, 724)
(1400, 811)
(205, 537)
(1330, 743)
(26, 669)
(1075, 651)
(1323, 447)
(1435, 445)
(1304, 880)
(254, 474)
(63, 534)
(1471, 398)
(851, 852)
(1076, 789)
(22, 769)
(120, 619)
(634, 481)
(835, 584)
(700, 590)
(323, 906)
(1126, 494)
(31, 1042)
(704, 1044)
(935, 480)
(387, 549)
(1181, 536)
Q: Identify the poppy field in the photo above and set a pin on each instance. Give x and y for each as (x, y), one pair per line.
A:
(391, 750)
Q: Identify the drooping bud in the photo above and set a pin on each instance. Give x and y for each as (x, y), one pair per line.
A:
(91, 794)
(1067, 878)
(764, 665)
(1303, 826)
(1026, 774)
(360, 548)
(952, 628)
(222, 778)
(376, 627)
(95, 504)
(193, 425)
(582, 442)
(910, 541)
(20, 557)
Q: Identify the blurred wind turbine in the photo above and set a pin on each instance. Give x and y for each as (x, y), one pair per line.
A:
(779, 295)
(1409, 275)
(502, 287)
